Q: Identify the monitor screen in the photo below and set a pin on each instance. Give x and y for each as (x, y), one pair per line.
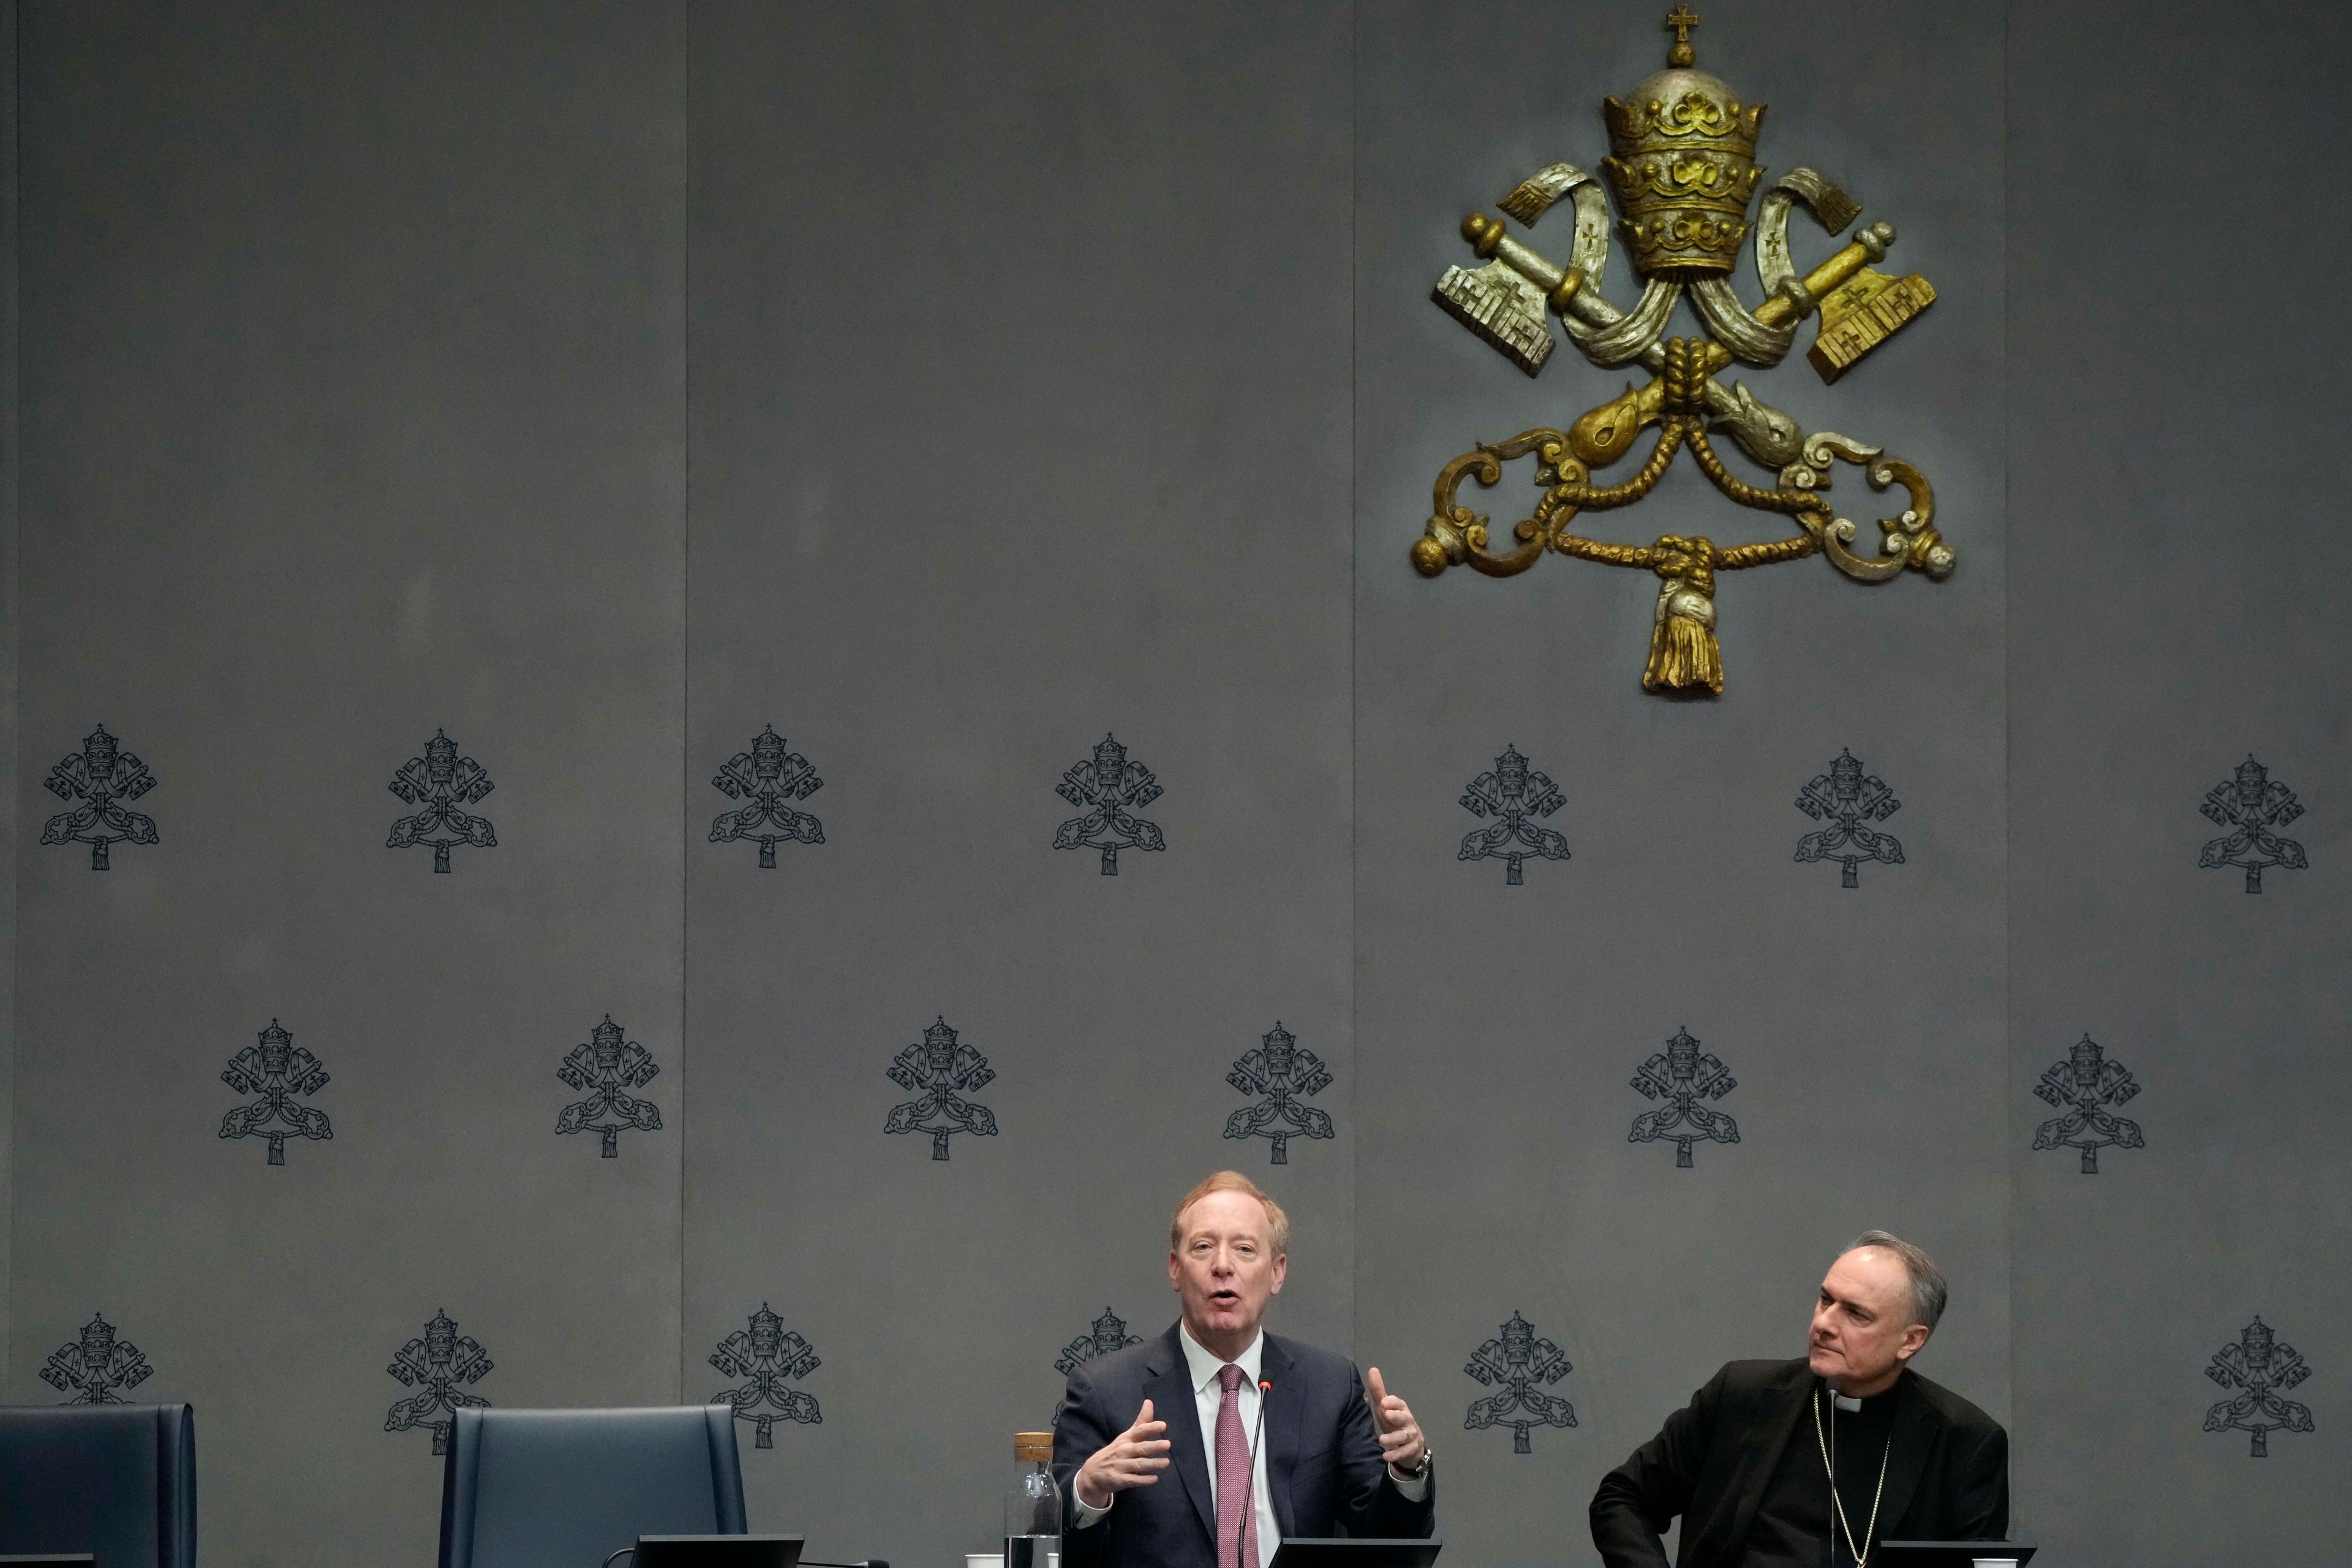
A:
(1951, 1553)
(718, 1551)
(1351, 1551)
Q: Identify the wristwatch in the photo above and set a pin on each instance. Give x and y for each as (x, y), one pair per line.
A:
(1421, 1471)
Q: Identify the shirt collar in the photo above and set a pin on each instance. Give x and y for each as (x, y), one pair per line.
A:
(1882, 1400)
(1203, 1363)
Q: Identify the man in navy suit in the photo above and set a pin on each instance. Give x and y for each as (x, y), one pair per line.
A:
(1331, 1460)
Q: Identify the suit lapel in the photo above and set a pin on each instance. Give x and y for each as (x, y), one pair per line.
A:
(1759, 1464)
(1907, 1442)
(1169, 1389)
(1286, 1408)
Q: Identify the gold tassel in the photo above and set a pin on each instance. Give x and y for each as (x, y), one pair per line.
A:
(1684, 654)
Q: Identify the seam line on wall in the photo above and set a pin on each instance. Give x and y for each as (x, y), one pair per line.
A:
(685, 635)
(1355, 657)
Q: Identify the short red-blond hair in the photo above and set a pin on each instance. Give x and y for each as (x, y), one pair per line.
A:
(1277, 1222)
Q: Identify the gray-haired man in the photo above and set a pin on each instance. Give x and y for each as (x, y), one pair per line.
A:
(1794, 1464)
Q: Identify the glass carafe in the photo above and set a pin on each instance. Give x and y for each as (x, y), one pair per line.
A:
(1033, 1505)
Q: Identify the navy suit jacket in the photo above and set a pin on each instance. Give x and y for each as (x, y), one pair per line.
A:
(1324, 1472)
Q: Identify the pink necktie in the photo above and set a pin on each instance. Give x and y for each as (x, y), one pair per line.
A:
(1237, 1531)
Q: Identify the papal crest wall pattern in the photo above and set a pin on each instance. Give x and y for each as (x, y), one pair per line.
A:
(1517, 1365)
(98, 780)
(442, 1366)
(280, 1074)
(820, 517)
(100, 1367)
(770, 1358)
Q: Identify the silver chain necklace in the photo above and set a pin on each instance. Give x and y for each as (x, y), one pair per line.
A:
(1837, 1503)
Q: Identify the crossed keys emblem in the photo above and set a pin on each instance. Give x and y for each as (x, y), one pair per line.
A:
(1683, 171)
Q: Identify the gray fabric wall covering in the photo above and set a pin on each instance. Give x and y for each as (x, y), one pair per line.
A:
(352, 373)
(2178, 605)
(8, 614)
(1019, 420)
(967, 457)
(1501, 1025)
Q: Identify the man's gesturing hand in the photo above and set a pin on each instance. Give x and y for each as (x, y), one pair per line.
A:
(1399, 1434)
(1133, 1458)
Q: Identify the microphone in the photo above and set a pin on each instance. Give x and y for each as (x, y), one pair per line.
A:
(1257, 1429)
(868, 1563)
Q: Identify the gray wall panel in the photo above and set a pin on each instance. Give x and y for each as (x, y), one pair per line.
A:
(1501, 1024)
(948, 387)
(2159, 469)
(352, 384)
(1020, 379)
(10, 453)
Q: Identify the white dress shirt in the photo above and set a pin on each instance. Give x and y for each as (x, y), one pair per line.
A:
(1208, 1398)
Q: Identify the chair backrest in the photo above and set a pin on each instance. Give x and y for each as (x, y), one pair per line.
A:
(566, 1489)
(119, 1480)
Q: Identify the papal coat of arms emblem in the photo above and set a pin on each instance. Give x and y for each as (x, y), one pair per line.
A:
(2086, 1088)
(605, 1069)
(1683, 172)
(1847, 803)
(1108, 788)
(1108, 1333)
(1684, 1077)
(2252, 806)
(1516, 1365)
(767, 1356)
(1282, 1075)
(103, 777)
(276, 1070)
(1514, 794)
(98, 1367)
(439, 1365)
(441, 785)
(766, 779)
(939, 1069)
(2258, 1366)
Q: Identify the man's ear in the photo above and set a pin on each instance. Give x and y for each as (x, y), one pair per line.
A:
(1914, 1338)
(1281, 1268)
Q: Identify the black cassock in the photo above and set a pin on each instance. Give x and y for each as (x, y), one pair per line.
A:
(1742, 1468)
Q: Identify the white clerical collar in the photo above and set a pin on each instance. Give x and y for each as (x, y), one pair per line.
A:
(1205, 1366)
(1842, 1402)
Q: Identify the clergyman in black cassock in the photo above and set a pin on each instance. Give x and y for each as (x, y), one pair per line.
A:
(1740, 1465)
(1812, 1463)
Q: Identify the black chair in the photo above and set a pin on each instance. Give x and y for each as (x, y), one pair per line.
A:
(564, 1489)
(116, 1479)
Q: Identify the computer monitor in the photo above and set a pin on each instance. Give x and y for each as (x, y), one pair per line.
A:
(718, 1551)
(1951, 1553)
(1354, 1551)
